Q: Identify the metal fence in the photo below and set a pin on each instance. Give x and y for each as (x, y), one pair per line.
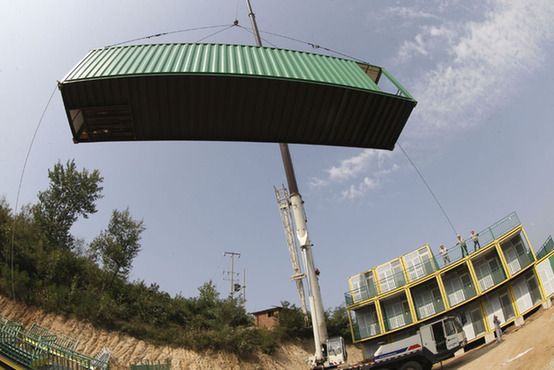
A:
(485, 237)
(57, 339)
(546, 248)
(455, 253)
(367, 291)
(41, 349)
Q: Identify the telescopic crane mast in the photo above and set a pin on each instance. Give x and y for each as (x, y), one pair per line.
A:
(283, 202)
(314, 293)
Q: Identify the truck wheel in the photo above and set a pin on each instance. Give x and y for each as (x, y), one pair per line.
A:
(412, 365)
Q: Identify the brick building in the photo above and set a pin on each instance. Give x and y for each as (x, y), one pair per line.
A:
(267, 318)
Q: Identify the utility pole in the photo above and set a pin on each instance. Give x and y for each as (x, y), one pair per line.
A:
(234, 287)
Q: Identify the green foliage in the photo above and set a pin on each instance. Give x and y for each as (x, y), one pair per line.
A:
(292, 323)
(16, 280)
(338, 324)
(266, 339)
(70, 194)
(118, 245)
(42, 264)
(5, 229)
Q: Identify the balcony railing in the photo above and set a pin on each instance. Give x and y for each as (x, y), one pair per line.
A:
(360, 294)
(486, 237)
(365, 332)
(421, 269)
(503, 226)
(546, 248)
(392, 282)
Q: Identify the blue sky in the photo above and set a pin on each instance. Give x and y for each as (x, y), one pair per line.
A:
(481, 135)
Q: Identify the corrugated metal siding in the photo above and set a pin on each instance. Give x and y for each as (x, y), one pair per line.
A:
(220, 59)
(229, 93)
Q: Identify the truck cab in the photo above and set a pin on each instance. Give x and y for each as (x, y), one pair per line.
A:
(336, 352)
(443, 337)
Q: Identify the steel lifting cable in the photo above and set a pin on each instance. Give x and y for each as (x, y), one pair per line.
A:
(266, 42)
(169, 33)
(215, 33)
(236, 23)
(12, 247)
(314, 46)
(428, 188)
(296, 40)
(19, 188)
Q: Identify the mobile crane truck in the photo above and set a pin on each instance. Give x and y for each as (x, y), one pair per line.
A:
(431, 344)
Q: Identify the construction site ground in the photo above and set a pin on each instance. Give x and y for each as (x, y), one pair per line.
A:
(530, 346)
(526, 347)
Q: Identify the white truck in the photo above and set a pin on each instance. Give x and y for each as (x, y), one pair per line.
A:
(334, 354)
(431, 344)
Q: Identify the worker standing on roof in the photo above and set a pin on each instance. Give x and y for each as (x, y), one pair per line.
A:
(444, 253)
(462, 243)
(475, 238)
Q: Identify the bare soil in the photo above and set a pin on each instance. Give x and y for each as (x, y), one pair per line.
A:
(527, 347)
(126, 349)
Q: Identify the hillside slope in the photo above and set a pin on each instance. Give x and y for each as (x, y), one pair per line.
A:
(528, 347)
(127, 349)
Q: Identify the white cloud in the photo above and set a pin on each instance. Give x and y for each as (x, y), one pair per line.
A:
(409, 13)
(416, 47)
(481, 63)
(464, 59)
(367, 170)
(351, 167)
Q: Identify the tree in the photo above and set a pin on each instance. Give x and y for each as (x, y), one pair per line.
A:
(337, 322)
(119, 244)
(6, 223)
(70, 194)
(291, 322)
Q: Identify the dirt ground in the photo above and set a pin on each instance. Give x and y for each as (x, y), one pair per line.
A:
(527, 347)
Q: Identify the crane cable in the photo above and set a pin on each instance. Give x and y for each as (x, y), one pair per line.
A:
(315, 46)
(428, 188)
(236, 23)
(170, 33)
(19, 189)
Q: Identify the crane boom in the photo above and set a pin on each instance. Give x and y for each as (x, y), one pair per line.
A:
(283, 202)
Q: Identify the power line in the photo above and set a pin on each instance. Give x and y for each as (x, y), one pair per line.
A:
(428, 187)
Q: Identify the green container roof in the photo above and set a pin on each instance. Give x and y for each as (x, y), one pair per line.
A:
(231, 93)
